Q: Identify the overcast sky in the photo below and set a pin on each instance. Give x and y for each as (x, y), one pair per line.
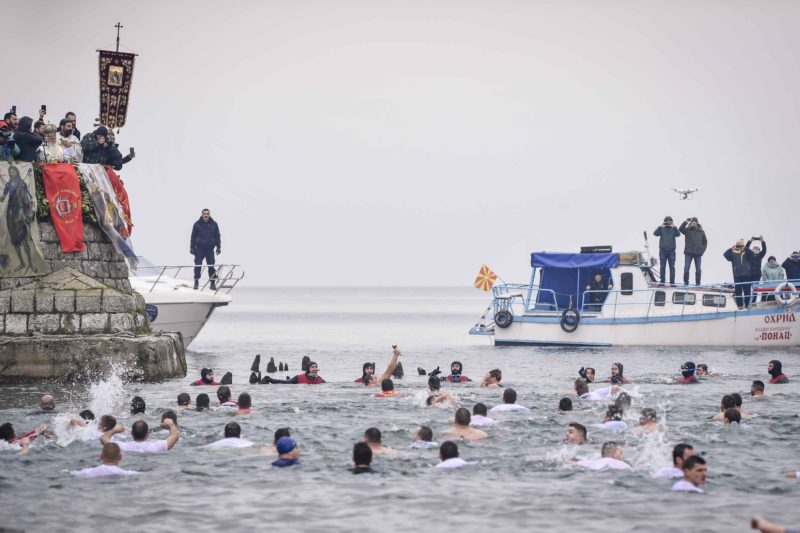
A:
(406, 143)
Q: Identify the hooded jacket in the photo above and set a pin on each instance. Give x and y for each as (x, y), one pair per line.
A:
(772, 272)
(740, 261)
(26, 141)
(94, 152)
(695, 242)
(777, 372)
(205, 235)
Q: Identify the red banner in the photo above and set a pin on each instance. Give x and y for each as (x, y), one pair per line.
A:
(64, 196)
(122, 198)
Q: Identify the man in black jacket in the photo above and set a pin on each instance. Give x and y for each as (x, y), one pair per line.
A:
(666, 234)
(205, 237)
(755, 262)
(27, 142)
(96, 148)
(694, 248)
(741, 258)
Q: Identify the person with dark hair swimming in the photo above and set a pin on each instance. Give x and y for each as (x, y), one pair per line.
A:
(727, 402)
(387, 390)
(362, 459)
(587, 374)
(435, 395)
(688, 370)
(680, 453)
(184, 401)
(448, 453)
(479, 416)
(137, 405)
(373, 438)
(601, 394)
(202, 402)
(732, 416)
(565, 404)
(8, 435)
(775, 369)
(616, 374)
(462, 426)
(456, 376)
(368, 377)
(309, 377)
(110, 457)
(612, 458)
(509, 403)
(206, 378)
(224, 397)
(492, 378)
(612, 420)
(757, 389)
(576, 433)
(423, 439)
(139, 432)
(232, 438)
(695, 472)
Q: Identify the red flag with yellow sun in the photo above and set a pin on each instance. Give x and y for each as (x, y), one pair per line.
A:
(485, 279)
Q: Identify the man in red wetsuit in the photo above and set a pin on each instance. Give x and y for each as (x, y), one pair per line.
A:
(688, 370)
(455, 373)
(206, 378)
(775, 369)
(310, 377)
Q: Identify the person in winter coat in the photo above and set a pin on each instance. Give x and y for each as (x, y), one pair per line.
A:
(96, 148)
(759, 252)
(792, 266)
(741, 258)
(694, 248)
(667, 233)
(27, 141)
(772, 272)
(205, 238)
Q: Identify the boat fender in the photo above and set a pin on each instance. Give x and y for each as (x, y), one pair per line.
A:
(570, 320)
(503, 318)
(793, 294)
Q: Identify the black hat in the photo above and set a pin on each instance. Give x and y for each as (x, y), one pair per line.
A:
(667, 218)
(102, 130)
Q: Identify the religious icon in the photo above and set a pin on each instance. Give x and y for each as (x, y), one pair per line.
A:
(19, 215)
(115, 75)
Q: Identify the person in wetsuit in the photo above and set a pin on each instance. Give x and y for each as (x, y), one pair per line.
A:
(456, 376)
(688, 370)
(310, 377)
(206, 378)
(368, 371)
(616, 374)
(775, 369)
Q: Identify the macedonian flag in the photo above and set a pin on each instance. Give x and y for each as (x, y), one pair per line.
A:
(485, 279)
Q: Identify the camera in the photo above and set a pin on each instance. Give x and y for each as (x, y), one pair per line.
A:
(6, 136)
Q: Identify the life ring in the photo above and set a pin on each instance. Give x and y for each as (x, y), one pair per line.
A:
(503, 318)
(570, 320)
(793, 294)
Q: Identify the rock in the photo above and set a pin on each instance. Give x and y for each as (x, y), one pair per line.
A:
(280, 367)
(271, 369)
(45, 323)
(398, 371)
(89, 301)
(94, 322)
(22, 301)
(16, 324)
(421, 371)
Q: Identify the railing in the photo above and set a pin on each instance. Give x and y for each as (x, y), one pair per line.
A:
(226, 277)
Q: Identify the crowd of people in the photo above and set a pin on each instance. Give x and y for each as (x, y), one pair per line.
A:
(23, 140)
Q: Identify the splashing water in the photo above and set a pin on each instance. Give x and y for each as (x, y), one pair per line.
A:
(108, 396)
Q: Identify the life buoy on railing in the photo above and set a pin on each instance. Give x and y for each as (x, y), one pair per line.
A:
(570, 320)
(793, 294)
(503, 318)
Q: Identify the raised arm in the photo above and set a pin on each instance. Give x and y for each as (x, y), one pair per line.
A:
(174, 435)
(392, 365)
(106, 438)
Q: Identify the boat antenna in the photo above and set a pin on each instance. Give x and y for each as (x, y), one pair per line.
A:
(119, 27)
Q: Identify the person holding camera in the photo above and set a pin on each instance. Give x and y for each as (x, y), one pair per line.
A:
(694, 248)
(741, 257)
(667, 233)
(96, 148)
(759, 252)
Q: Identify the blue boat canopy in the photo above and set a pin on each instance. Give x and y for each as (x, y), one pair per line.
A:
(553, 260)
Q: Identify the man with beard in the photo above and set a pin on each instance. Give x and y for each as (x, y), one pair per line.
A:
(205, 238)
(456, 368)
(66, 148)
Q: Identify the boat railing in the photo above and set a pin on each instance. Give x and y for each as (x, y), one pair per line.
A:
(226, 277)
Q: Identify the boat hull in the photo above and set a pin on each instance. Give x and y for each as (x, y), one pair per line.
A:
(188, 318)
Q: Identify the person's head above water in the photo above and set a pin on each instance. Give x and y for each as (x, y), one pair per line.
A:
(139, 430)
(680, 453)
(463, 416)
(368, 369)
(434, 384)
(362, 454)
(233, 430)
(202, 401)
(423, 433)
(757, 388)
(613, 413)
(223, 393)
(480, 409)
(207, 375)
(576, 433)
(313, 369)
(732, 415)
(613, 450)
(285, 445)
(702, 369)
(184, 399)
(387, 385)
(110, 454)
(586, 374)
(7, 432)
(280, 432)
(456, 368)
(695, 470)
(648, 416)
(728, 402)
(245, 402)
(47, 403)
(565, 404)
(137, 405)
(106, 423)
(775, 368)
(623, 401)
(448, 450)
(509, 396)
(372, 436)
(616, 372)
(172, 415)
(737, 400)
(581, 387)
(86, 414)
(688, 369)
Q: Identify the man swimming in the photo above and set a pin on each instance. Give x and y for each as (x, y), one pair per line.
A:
(8, 435)
(565, 404)
(648, 421)
(492, 379)
(586, 374)
(737, 403)
(184, 401)
(612, 458)
(757, 389)
(202, 402)
(612, 421)
(448, 453)
(387, 390)
(728, 402)
(368, 371)
(362, 459)
(576, 433)
(462, 427)
(509, 403)
(232, 438)
(775, 369)
(479, 416)
(224, 397)
(702, 371)
(245, 404)
(372, 436)
(309, 377)
(695, 472)
(616, 375)
(732, 416)
(139, 432)
(137, 405)
(680, 453)
(47, 403)
(688, 370)
(206, 378)
(288, 453)
(601, 394)
(422, 439)
(110, 457)
(456, 376)
(435, 396)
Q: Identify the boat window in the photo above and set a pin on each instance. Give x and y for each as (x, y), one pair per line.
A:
(659, 298)
(714, 300)
(626, 282)
(685, 298)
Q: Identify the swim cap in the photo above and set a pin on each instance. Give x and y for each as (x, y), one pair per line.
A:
(777, 368)
(204, 374)
(434, 383)
(688, 369)
(285, 445)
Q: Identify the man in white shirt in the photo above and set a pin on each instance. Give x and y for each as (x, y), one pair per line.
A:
(479, 418)
(680, 453)
(612, 458)
(576, 433)
(233, 438)
(509, 403)
(139, 432)
(602, 394)
(695, 472)
(423, 439)
(448, 453)
(110, 457)
(613, 420)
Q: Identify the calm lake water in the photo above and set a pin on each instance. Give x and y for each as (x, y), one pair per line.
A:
(520, 481)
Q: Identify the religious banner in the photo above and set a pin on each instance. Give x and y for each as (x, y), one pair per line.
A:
(63, 191)
(122, 197)
(20, 246)
(116, 74)
(108, 210)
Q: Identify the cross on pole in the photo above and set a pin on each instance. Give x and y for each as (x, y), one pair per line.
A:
(118, 26)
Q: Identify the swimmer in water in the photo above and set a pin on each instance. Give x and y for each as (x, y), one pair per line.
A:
(139, 432)
(8, 434)
(623, 402)
(184, 401)
(509, 403)
(732, 416)
(232, 438)
(288, 453)
(728, 402)
(775, 369)
(565, 404)
(462, 427)
(456, 375)
(688, 370)
(612, 421)
(695, 472)
(202, 402)
(648, 421)
(479, 418)
(105, 423)
(757, 389)
(737, 403)
(110, 457)
(387, 389)
(680, 453)
(576, 433)
(448, 453)
(47, 403)
(616, 375)
(309, 377)
(586, 374)
(702, 371)
(368, 371)
(423, 439)
(280, 432)
(362, 459)
(601, 394)
(206, 378)
(245, 404)
(224, 397)
(372, 437)
(612, 459)
(435, 396)
(492, 379)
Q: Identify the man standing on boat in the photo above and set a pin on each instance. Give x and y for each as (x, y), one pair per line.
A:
(667, 233)
(205, 238)
(694, 248)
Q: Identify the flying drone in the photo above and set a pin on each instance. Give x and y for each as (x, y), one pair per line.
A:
(686, 194)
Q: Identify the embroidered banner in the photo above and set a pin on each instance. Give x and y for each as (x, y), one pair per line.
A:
(122, 198)
(108, 210)
(20, 246)
(64, 196)
(116, 74)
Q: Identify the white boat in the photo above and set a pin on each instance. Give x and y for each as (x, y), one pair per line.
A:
(173, 304)
(555, 308)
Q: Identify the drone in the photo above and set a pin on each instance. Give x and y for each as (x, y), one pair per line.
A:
(686, 194)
